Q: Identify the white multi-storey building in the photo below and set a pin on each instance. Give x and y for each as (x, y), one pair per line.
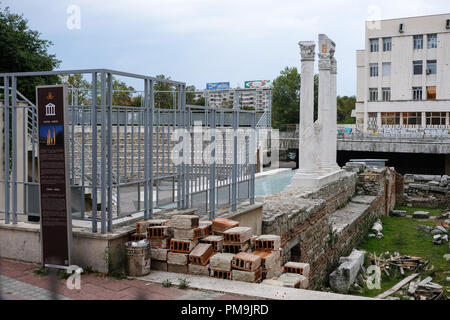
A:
(259, 99)
(403, 75)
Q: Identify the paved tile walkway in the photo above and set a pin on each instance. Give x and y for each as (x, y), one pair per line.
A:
(18, 281)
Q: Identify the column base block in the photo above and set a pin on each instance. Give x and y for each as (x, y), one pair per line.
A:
(319, 179)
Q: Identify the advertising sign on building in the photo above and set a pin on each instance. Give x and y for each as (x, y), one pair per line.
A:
(217, 85)
(54, 188)
(256, 84)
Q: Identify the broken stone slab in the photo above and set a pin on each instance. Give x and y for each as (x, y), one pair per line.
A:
(421, 215)
(398, 213)
(221, 261)
(427, 177)
(434, 183)
(345, 275)
(444, 181)
(439, 230)
(437, 239)
(377, 227)
(293, 280)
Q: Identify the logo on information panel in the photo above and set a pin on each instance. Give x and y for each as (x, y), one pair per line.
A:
(50, 110)
(50, 96)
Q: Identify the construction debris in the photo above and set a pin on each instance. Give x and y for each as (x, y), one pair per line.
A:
(388, 262)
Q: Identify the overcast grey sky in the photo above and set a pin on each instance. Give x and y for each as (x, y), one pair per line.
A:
(199, 41)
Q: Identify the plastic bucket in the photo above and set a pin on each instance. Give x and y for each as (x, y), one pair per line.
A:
(138, 258)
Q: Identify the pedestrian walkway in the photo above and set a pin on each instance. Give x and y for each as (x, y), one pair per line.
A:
(18, 281)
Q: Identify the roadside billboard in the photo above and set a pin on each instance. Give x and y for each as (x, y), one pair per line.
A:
(256, 84)
(217, 85)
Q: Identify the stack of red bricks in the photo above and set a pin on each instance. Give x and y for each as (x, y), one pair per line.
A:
(220, 249)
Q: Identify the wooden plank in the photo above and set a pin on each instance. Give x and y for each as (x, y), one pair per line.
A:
(396, 287)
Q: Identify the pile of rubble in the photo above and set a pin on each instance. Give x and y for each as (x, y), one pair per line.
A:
(388, 262)
(375, 231)
(439, 231)
(220, 249)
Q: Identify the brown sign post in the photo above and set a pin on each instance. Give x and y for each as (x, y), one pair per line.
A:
(54, 189)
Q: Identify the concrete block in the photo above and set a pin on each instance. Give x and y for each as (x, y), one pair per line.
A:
(246, 261)
(198, 270)
(221, 261)
(269, 259)
(293, 280)
(160, 243)
(235, 248)
(182, 246)
(205, 230)
(268, 242)
(138, 236)
(158, 222)
(159, 232)
(177, 258)
(159, 265)
(184, 221)
(237, 235)
(201, 254)
(220, 274)
(159, 254)
(215, 241)
(177, 268)
(297, 267)
(141, 226)
(247, 276)
(345, 275)
(421, 215)
(187, 234)
(220, 225)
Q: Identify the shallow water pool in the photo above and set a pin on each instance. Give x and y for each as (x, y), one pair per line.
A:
(273, 184)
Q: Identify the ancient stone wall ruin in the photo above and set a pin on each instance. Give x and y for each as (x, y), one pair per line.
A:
(319, 226)
(418, 190)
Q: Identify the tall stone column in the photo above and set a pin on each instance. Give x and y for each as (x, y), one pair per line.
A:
(307, 163)
(327, 104)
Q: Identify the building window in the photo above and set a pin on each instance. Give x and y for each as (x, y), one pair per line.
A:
(387, 44)
(373, 94)
(431, 66)
(386, 69)
(417, 67)
(435, 118)
(373, 69)
(386, 94)
(432, 41)
(418, 42)
(390, 118)
(374, 45)
(431, 93)
(417, 93)
(412, 118)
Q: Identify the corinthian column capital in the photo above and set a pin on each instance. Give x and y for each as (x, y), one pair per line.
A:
(324, 61)
(307, 50)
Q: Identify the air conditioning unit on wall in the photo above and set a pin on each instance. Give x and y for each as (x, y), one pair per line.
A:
(400, 28)
(447, 25)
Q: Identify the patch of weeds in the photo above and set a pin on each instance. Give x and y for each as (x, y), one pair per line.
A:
(88, 269)
(184, 284)
(167, 283)
(41, 271)
(62, 274)
(115, 260)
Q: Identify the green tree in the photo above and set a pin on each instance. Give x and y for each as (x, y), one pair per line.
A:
(23, 50)
(286, 98)
(79, 89)
(345, 105)
(164, 94)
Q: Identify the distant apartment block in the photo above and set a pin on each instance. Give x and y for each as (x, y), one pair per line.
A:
(403, 75)
(252, 98)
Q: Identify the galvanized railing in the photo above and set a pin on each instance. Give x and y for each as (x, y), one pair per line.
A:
(120, 155)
